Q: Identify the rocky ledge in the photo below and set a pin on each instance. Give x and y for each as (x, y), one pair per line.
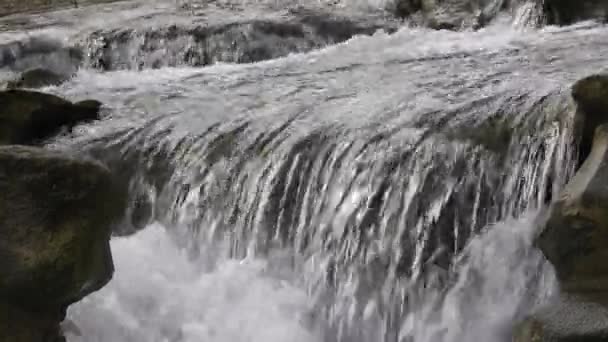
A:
(56, 216)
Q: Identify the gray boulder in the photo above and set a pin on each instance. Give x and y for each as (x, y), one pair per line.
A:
(56, 213)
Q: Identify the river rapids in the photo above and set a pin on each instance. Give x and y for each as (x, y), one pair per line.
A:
(318, 173)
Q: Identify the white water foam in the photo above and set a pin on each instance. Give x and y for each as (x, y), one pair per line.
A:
(159, 294)
(500, 277)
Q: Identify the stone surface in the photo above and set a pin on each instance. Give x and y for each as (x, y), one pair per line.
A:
(28, 117)
(56, 213)
(567, 319)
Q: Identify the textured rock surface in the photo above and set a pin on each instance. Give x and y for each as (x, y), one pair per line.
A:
(56, 213)
(567, 319)
(27, 117)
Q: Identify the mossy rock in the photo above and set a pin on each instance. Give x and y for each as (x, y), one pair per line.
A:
(566, 319)
(29, 117)
(575, 236)
(56, 213)
(37, 78)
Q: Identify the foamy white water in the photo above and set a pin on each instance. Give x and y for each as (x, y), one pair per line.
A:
(159, 294)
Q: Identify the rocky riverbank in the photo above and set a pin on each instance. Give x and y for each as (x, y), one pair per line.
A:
(56, 214)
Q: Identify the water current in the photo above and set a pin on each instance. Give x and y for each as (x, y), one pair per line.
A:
(298, 176)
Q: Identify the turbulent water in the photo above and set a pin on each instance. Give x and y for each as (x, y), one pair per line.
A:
(353, 184)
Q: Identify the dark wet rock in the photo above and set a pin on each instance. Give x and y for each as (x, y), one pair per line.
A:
(238, 41)
(28, 117)
(565, 12)
(591, 96)
(37, 78)
(56, 212)
(28, 6)
(575, 237)
(567, 319)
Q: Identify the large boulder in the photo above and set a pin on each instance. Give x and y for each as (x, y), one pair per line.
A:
(28, 117)
(565, 12)
(37, 78)
(56, 213)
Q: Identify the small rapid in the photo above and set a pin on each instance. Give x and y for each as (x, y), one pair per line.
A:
(160, 293)
(383, 187)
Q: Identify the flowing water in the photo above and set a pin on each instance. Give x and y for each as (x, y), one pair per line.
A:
(357, 185)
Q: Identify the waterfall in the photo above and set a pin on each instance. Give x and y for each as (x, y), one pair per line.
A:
(294, 175)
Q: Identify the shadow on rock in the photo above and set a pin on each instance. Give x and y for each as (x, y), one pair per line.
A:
(28, 117)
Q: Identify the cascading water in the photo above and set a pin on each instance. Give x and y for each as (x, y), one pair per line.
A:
(381, 189)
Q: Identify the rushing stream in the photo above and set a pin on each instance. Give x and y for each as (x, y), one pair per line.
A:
(384, 187)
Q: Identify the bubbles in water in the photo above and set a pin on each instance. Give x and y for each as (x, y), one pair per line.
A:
(159, 294)
(499, 277)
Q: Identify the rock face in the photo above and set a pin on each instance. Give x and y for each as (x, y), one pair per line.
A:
(27, 117)
(56, 213)
(564, 12)
(37, 78)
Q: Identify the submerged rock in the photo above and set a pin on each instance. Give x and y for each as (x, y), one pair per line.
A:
(37, 78)
(27, 117)
(565, 12)
(56, 213)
